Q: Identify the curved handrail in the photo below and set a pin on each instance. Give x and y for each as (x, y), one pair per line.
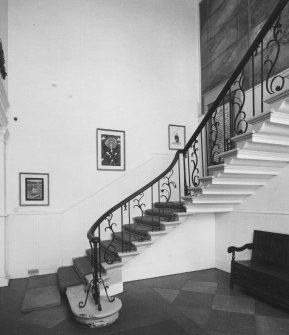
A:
(90, 233)
(267, 26)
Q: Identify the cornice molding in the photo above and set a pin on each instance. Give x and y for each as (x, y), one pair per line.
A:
(4, 105)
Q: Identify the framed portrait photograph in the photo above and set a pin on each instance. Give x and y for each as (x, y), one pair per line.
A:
(177, 137)
(34, 189)
(110, 146)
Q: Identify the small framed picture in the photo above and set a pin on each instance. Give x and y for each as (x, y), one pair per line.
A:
(34, 189)
(177, 137)
(110, 146)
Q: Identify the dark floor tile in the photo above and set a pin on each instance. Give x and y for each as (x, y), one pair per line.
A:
(175, 282)
(168, 327)
(264, 308)
(168, 294)
(210, 275)
(234, 304)
(198, 315)
(200, 286)
(231, 323)
(190, 326)
(48, 318)
(271, 326)
(225, 289)
(194, 299)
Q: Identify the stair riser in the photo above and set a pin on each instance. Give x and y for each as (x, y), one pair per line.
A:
(198, 209)
(266, 147)
(217, 199)
(142, 246)
(254, 163)
(155, 237)
(276, 128)
(127, 256)
(246, 175)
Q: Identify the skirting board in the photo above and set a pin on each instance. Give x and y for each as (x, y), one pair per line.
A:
(4, 281)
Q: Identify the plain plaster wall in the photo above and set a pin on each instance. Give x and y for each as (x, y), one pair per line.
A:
(266, 210)
(75, 66)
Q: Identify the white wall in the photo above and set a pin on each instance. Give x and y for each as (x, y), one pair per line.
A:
(266, 210)
(188, 247)
(75, 66)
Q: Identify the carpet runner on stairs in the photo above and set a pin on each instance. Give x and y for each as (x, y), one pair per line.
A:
(73, 280)
(122, 242)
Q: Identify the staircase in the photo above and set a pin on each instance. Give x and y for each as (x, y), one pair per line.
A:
(258, 157)
(257, 153)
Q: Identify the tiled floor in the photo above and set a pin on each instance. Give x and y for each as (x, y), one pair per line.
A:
(195, 303)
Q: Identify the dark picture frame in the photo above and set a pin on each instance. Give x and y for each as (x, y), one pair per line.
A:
(110, 149)
(177, 137)
(33, 189)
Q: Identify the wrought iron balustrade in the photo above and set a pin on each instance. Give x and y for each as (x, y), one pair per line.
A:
(241, 98)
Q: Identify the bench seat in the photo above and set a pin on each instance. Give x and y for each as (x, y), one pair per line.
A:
(267, 273)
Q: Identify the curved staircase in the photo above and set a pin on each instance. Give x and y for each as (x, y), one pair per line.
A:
(259, 156)
(249, 160)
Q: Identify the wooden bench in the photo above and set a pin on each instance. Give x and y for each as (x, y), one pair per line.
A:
(267, 273)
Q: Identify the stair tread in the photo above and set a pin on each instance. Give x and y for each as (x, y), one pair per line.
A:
(151, 220)
(88, 252)
(161, 212)
(68, 276)
(139, 229)
(175, 205)
(83, 265)
(116, 246)
(130, 238)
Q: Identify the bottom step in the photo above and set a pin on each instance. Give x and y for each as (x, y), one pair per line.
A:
(90, 315)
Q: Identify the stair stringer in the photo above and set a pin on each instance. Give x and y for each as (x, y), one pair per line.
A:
(259, 157)
(172, 253)
(244, 171)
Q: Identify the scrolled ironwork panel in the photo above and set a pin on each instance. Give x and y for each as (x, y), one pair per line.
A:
(276, 83)
(167, 187)
(195, 160)
(139, 204)
(110, 249)
(213, 138)
(240, 123)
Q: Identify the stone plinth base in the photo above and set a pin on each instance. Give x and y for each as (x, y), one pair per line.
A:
(90, 315)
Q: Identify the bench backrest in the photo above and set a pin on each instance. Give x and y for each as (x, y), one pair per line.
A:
(271, 248)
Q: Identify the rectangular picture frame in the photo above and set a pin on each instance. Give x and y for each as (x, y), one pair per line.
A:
(177, 137)
(110, 149)
(33, 189)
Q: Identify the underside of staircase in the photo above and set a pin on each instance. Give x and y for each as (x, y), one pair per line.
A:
(259, 155)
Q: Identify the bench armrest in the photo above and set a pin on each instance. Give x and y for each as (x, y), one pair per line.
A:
(233, 249)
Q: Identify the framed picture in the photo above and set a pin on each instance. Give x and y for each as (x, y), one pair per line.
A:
(34, 189)
(177, 137)
(110, 146)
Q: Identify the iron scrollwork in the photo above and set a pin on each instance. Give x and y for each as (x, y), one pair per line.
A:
(271, 85)
(240, 124)
(195, 161)
(90, 287)
(214, 146)
(106, 287)
(167, 190)
(139, 204)
(110, 249)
